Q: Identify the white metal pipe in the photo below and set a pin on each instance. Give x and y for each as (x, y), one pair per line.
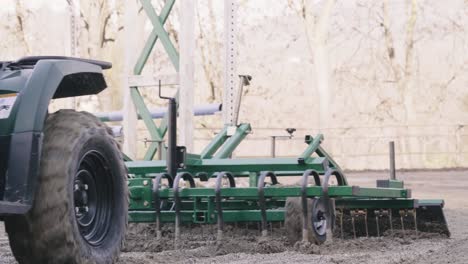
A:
(201, 110)
(187, 73)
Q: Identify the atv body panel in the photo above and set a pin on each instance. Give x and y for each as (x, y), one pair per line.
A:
(26, 89)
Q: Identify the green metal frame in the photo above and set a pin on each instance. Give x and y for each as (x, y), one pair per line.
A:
(156, 133)
(238, 204)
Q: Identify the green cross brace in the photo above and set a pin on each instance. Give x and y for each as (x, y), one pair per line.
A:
(158, 32)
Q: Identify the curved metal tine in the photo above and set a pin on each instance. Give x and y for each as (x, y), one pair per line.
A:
(378, 214)
(402, 221)
(341, 223)
(391, 220)
(187, 177)
(261, 198)
(304, 184)
(415, 221)
(365, 222)
(377, 224)
(157, 200)
(218, 198)
(352, 222)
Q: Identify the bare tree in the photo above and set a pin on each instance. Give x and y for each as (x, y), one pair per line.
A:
(210, 52)
(402, 73)
(21, 14)
(101, 21)
(317, 28)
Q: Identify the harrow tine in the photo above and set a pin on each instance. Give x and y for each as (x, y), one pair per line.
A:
(365, 223)
(187, 177)
(261, 198)
(390, 220)
(415, 222)
(353, 223)
(177, 211)
(219, 208)
(426, 217)
(357, 216)
(380, 224)
(157, 200)
(377, 224)
(402, 222)
(341, 224)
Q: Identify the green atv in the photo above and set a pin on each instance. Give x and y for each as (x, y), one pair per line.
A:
(62, 175)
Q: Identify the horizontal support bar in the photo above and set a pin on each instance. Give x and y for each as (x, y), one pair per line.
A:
(188, 216)
(384, 192)
(232, 165)
(143, 80)
(200, 110)
(283, 192)
(375, 203)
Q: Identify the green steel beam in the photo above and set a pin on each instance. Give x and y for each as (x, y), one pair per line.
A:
(153, 37)
(231, 144)
(146, 116)
(312, 147)
(215, 144)
(161, 32)
(258, 165)
(232, 165)
(158, 32)
(283, 192)
(374, 203)
(188, 216)
(322, 153)
(430, 202)
(383, 192)
(141, 194)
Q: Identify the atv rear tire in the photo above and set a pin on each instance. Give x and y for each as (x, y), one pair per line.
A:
(79, 214)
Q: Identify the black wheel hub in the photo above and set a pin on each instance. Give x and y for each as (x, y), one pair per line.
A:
(319, 219)
(92, 195)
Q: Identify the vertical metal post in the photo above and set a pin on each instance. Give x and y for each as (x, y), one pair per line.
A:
(230, 67)
(160, 150)
(244, 80)
(187, 71)
(171, 159)
(273, 146)
(392, 160)
(74, 52)
(129, 112)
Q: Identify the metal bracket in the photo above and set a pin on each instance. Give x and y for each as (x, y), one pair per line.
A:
(181, 156)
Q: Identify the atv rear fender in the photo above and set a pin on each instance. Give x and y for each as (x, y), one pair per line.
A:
(52, 77)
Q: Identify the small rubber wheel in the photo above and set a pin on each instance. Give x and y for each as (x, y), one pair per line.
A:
(79, 213)
(319, 221)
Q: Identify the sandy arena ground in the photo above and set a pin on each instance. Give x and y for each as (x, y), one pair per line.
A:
(245, 245)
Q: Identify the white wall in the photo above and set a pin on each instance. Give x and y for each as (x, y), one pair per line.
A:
(426, 114)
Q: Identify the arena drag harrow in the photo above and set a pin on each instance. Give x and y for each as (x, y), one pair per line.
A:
(165, 191)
